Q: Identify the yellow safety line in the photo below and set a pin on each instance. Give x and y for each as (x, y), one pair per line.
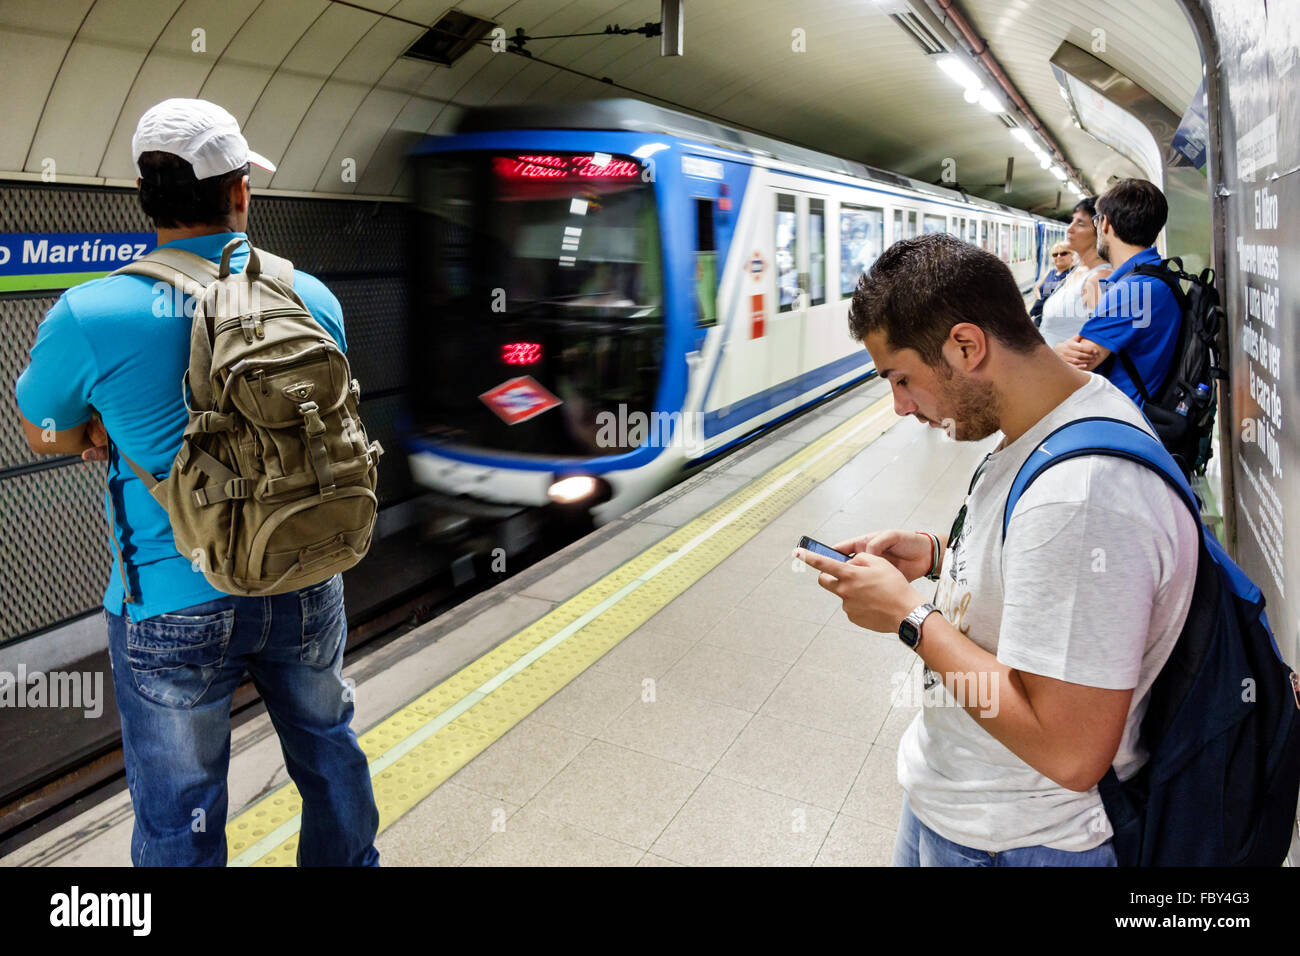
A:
(420, 745)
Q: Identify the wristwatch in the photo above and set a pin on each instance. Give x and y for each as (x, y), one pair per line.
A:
(909, 632)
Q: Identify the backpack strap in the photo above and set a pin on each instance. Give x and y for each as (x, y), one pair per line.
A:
(277, 268)
(1127, 361)
(149, 480)
(168, 265)
(261, 264)
(1119, 439)
(1100, 436)
(1170, 272)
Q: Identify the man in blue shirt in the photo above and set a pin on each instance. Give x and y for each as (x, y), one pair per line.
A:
(1137, 314)
(119, 347)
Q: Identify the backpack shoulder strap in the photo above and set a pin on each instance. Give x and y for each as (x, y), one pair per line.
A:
(1168, 275)
(276, 267)
(1100, 436)
(169, 265)
(1134, 375)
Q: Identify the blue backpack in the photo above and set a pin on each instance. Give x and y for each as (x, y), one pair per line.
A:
(1220, 785)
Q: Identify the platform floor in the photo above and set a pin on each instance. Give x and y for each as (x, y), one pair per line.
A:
(669, 690)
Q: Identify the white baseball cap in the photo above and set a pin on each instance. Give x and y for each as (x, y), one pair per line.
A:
(199, 132)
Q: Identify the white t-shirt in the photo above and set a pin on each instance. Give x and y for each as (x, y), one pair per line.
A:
(1063, 311)
(1092, 587)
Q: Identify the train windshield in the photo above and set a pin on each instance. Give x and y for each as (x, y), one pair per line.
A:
(544, 265)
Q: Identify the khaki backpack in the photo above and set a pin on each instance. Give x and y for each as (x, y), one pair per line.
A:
(273, 488)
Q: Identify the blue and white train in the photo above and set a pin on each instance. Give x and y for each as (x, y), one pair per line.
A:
(608, 294)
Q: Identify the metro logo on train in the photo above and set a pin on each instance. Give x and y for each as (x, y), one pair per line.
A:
(519, 399)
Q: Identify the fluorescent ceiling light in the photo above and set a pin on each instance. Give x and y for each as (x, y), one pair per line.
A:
(1058, 172)
(990, 102)
(960, 73)
(1022, 134)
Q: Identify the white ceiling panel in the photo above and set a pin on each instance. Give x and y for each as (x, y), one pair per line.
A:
(248, 63)
(33, 41)
(177, 65)
(316, 81)
(93, 81)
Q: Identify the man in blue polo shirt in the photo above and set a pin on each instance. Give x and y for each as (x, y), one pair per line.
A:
(1136, 314)
(119, 347)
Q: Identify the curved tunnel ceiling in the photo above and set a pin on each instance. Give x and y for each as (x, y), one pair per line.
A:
(316, 82)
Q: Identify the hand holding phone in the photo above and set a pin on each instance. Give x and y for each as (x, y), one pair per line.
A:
(909, 551)
(816, 547)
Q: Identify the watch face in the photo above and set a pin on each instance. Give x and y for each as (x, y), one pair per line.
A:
(907, 632)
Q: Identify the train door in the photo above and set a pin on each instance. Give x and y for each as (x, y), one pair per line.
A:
(706, 270)
(800, 274)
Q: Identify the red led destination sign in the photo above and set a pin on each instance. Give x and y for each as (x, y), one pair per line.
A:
(564, 168)
(521, 353)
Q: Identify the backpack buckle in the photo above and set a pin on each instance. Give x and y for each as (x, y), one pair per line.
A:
(311, 414)
(234, 489)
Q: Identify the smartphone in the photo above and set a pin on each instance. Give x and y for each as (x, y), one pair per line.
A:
(816, 547)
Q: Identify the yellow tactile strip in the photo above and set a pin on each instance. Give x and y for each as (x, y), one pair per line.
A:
(416, 748)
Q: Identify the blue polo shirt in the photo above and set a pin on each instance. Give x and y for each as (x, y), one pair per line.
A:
(104, 345)
(1140, 315)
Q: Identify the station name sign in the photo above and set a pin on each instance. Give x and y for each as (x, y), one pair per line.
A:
(57, 260)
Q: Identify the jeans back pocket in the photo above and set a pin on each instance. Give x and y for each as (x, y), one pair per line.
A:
(324, 623)
(175, 657)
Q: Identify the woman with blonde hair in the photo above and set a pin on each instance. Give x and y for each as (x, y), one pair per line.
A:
(1063, 259)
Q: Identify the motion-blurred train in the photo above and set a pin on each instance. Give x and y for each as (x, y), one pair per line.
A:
(606, 295)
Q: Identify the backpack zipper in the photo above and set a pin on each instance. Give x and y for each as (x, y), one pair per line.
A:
(253, 324)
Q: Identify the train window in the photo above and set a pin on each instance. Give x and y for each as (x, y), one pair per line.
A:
(706, 265)
(973, 231)
(1004, 241)
(898, 224)
(933, 223)
(862, 238)
(816, 251)
(787, 253)
(911, 225)
(984, 234)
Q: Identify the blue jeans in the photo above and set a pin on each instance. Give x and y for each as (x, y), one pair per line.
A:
(175, 675)
(918, 845)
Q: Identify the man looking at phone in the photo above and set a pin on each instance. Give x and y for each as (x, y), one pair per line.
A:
(1069, 619)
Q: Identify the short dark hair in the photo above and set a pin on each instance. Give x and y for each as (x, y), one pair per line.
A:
(1136, 210)
(1088, 204)
(920, 288)
(171, 196)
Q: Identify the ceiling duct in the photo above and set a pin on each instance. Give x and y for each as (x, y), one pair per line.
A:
(929, 43)
(450, 38)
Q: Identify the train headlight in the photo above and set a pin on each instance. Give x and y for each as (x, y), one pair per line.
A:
(568, 490)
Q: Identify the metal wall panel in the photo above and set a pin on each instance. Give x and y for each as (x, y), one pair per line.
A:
(54, 553)
(19, 316)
